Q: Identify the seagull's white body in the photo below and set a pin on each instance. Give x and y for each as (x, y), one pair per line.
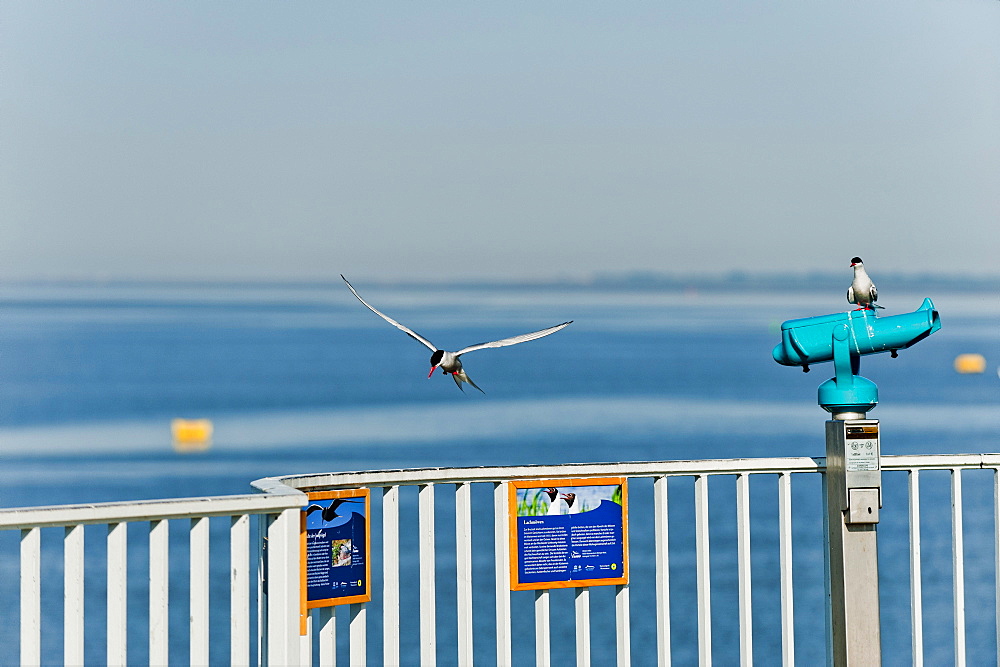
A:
(556, 504)
(571, 505)
(862, 290)
(449, 362)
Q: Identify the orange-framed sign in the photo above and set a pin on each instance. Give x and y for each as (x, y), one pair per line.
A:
(335, 533)
(568, 532)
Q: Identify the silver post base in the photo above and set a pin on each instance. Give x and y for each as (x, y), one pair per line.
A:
(854, 636)
(845, 416)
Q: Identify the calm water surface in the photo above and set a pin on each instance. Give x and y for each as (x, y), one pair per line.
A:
(305, 379)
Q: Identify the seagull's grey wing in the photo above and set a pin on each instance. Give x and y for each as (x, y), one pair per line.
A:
(514, 340)
(410, 332)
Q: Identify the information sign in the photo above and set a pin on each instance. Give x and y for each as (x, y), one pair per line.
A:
(336, 568)
(568, 532)
(861, 449)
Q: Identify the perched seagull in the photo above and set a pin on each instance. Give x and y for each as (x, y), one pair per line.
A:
(556, 503)
(862, 290)
(449, 362)
(571, 505)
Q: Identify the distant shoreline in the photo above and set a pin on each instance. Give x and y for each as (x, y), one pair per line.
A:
(644, 281)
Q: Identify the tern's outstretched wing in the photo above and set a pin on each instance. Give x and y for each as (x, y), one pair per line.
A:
(410, 332)
(514, 340)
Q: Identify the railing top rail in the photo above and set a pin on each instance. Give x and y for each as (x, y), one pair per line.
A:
(150, 510)
(280, 493)
(800, 464)
(569, 470)
(939, 461)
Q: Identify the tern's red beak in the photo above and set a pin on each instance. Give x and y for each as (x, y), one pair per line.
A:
(433, 368)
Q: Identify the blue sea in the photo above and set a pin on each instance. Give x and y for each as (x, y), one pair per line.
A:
(301, 378)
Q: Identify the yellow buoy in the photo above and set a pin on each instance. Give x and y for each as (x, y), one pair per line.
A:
(191, 435)
(970, 363)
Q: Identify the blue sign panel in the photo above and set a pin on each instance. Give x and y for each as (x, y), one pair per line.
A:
(336, 548)
(569, 533)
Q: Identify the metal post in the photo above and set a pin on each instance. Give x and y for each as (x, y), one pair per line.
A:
(853, 498)
(852, 483)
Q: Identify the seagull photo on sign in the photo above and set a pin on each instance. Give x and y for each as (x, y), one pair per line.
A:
(449, 362)
(556, 502)
(571, 505)
(862, 290)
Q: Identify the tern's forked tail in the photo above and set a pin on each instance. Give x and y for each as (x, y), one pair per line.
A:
(460, 376)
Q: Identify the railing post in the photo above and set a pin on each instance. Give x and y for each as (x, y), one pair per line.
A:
(198, 636)
(543, 634)
(283, 588)
(390, 575)
(261, 561)
(358, 628)
(502, 581)
(428, 587)
(117, 593)
(581, 598)
(73, 595)
(785, 566)
(623, 623)
(916, 583)
(327, 635)
(958, 565)
(31, 596)
(661, 526)
(743, 567)
(239, 589)
(159, 592)
(853, 498)
(703, 570)
(463, 568)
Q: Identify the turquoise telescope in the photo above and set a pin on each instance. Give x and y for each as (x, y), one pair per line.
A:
(844, 338)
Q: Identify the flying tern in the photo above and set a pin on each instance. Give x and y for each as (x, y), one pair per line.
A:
(862, 290)
(449, 362)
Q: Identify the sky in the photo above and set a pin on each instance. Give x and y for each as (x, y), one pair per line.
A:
(514, 141)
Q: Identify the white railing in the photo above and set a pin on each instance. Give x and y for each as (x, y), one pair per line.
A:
(427, 479)
(954, 465)
(731, 532)
(280, 510)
